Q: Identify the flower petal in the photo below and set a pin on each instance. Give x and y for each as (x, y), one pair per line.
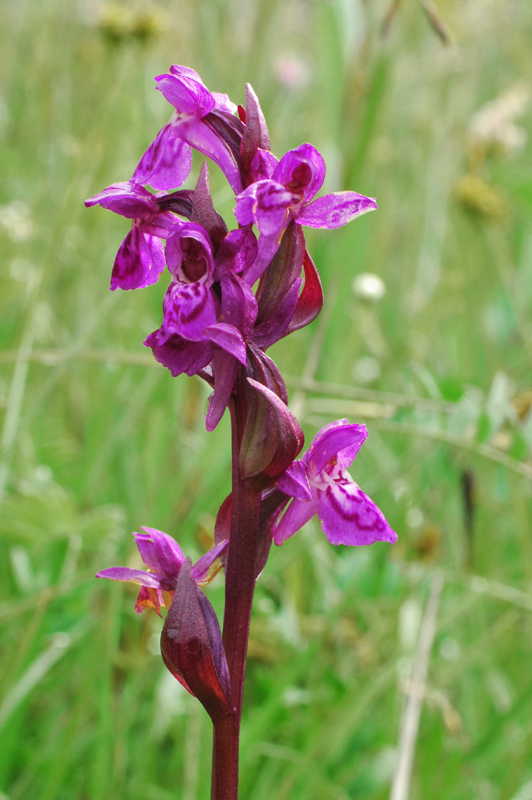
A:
(335, 210)
(127, 199)
(266, 203)
(139, 261)
(160, 552)
(225, 368)
(186, 93)
(340, 440)
(201, 135)
(166, 163)
(294, 482)
(239, 306)
(302, 171)
(179, 355)
(189, 254)
(131, 576)
(206, 568)
(188, 309)
(348, 516)
(263, 165)
(236, 253)
(296, 515)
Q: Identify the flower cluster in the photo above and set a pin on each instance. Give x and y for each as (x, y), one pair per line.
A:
(213, 321)
(231, 295)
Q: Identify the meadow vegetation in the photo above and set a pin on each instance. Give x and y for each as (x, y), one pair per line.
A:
(433, 355)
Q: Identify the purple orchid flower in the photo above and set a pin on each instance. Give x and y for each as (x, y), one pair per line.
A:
(164, 559)
(198, 327)
(320, 484)
(272, 203)
(202, 120)
(140, 258)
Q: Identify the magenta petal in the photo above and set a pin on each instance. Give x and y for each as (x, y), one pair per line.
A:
(229, 339)
(202, 137)
(160, 552)
(336, 439)
(189, 253)
(348, 516)
(296, 515)
(263, 165)
(225, 369)
(185, 72)
(236, 253)
(335, 210)
(166, 163)
(294, 482)
(161, 225)
(244, 209)
(202, 567)
(178, 354)
(188, 309)
(127, 199)
(302, 170)
(224, 103)
(131, 575)
(188, 95)
(266, 203)
(139, 261)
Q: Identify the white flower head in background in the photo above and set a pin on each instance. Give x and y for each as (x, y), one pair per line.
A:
(493, 126)
(368, 286)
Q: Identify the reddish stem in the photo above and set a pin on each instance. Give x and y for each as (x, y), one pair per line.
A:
(239, 588)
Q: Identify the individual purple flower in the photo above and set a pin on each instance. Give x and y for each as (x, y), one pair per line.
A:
(202, 120)
(320, 484)
(208, 310)
(271, 203)
(164, 559)
(140, 258)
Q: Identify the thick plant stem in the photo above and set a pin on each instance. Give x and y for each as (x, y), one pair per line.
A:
(239, 588)
(225, 759)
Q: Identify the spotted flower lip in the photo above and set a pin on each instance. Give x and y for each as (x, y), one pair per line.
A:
(140, 258)
(320, 484)
(164, 559)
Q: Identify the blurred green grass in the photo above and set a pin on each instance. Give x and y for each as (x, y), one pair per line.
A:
(97, 440)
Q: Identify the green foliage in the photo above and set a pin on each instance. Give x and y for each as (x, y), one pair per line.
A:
(97, 439)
